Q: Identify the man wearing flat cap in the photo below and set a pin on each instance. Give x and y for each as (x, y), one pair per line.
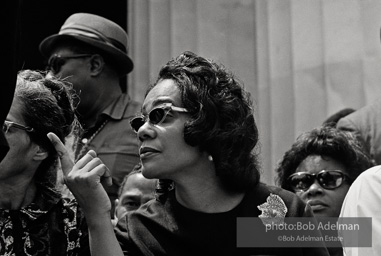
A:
(90, 52)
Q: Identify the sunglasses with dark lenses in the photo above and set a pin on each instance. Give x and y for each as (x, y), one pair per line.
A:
(56, 61)
(156, 116)
(301, 181)
(7, 125)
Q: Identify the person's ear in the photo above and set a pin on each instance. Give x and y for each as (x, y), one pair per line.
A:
(97, 64)
(40, 154)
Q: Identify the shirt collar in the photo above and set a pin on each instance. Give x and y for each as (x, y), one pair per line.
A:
(117, 108)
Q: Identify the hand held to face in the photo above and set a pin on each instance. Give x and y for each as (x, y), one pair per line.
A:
(85, 179)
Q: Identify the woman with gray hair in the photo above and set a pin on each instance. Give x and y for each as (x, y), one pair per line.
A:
(34, 218)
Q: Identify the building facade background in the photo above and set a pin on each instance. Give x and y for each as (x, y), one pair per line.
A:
(302, 60)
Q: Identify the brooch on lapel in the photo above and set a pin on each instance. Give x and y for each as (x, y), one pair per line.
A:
(273, 210)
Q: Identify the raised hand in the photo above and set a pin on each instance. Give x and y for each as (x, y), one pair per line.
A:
(85, 179)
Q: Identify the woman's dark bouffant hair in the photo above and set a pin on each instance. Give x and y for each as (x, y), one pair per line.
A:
(47, 106)
(325, 141)
(222, 121)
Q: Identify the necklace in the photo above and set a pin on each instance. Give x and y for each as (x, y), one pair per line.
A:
(86, 141)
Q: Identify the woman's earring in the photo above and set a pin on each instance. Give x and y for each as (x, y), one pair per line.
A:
(210, 158)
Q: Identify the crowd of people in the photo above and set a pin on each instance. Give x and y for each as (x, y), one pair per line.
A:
(170, 175)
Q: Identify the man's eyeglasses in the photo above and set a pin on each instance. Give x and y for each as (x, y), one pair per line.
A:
(57, 61)
(7, 125)
(156, 116)
(301, 181)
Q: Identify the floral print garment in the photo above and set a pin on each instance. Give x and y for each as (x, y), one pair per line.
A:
(273, 210)
(51, 225)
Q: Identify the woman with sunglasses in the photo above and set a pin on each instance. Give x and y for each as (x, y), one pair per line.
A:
(198, 136)
(34, 218)
(320, 167)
